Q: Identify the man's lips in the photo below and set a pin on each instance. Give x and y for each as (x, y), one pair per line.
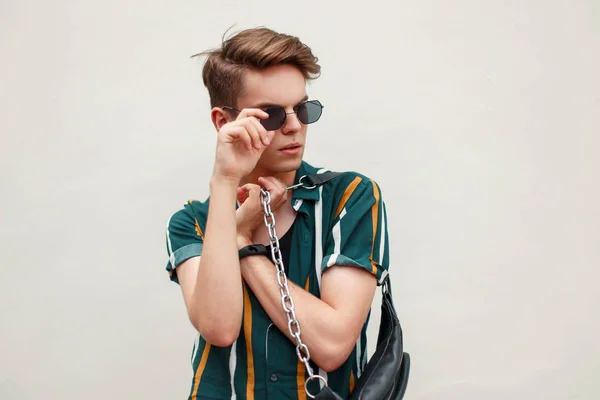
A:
(291, 150)
(291, 146)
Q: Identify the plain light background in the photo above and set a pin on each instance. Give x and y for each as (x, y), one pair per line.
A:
(480, 121)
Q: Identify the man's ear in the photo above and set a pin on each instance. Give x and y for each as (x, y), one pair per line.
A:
(219, 117)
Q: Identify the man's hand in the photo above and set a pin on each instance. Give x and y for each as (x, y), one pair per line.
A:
(240, 144)
(250, 214)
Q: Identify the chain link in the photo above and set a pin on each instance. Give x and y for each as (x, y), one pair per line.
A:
(286, 298)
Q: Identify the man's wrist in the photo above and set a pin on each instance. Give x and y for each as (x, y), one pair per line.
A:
(224, 181)
(243, 241)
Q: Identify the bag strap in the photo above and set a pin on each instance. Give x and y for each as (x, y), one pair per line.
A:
(312, 181)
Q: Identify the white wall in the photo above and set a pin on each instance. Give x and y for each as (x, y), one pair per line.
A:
(482, 124)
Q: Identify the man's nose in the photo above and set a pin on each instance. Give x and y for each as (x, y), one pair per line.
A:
(291, 125)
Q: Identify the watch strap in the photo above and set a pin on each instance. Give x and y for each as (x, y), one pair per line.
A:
(254, 250)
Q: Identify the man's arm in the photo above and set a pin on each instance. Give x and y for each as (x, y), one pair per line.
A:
(329, 326)
(211, 284)
(355, 257)
(212, 289)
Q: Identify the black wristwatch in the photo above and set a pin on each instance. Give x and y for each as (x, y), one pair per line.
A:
(254, 250)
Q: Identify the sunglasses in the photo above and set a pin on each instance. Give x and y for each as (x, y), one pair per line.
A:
(308, 112)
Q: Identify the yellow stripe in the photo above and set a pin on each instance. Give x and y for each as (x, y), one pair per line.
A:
(347, 193)
(300, 377)
(198, 230)
(300, 380)
(351, 381)
(248, 337)
(200, 369)
(375, 212)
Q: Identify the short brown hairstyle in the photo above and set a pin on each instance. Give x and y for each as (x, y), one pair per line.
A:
(256, 48)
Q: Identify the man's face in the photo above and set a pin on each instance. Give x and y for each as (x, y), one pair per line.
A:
(281, 85)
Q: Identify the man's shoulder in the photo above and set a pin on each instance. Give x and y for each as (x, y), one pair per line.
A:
(192, 210)
(198, 205)
(349, 188)
(355, 176)
(353, 188)
(352, 181)
(346, 176)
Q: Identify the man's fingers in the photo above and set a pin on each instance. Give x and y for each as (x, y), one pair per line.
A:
(242, 194)
(248, 124)
(276, 187)
(259, 137)
(265, 137)
(252, 132)
(240, 133)
(252, 112)
(253, 192)
(267, 183)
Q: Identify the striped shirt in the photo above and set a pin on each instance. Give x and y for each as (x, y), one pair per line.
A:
(341, 223)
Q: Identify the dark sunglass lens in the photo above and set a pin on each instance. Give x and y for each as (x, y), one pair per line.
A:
(275, 120)
(310, 112)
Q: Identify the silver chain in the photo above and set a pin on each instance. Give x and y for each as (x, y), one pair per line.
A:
(286, 298)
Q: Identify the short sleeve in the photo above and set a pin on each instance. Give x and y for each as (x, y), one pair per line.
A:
(184, 239)
(358, 237)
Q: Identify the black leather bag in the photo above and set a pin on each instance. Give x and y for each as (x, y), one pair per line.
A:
(386, 374)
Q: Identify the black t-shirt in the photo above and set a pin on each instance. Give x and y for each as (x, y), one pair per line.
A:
(285, 245)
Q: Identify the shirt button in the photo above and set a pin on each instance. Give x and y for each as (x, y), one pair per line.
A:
(273, 378)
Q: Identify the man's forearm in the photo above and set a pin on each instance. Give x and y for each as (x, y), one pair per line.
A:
(218, 299)
(322, 327)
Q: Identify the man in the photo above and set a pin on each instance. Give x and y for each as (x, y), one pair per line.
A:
(333, 239)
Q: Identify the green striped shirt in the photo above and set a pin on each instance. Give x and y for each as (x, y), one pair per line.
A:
(341, 223)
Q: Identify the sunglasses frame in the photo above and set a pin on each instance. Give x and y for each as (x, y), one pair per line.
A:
(315, 102)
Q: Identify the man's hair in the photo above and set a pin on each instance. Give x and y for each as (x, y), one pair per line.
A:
(252, 49)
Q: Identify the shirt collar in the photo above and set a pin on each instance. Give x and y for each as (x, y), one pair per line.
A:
(302, 193)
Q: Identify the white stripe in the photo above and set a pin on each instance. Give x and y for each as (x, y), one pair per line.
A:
(267, 342)
(343, 213)
(382, 233)
(358, 358)
(169, 246)
(318, 236)
(383, 275)
(337, 241)
(324, 375)
(196, 345)
(364, 361)
(297, 204)
(232, 362)
(319, 250)
(337, 233)
(332, 260)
